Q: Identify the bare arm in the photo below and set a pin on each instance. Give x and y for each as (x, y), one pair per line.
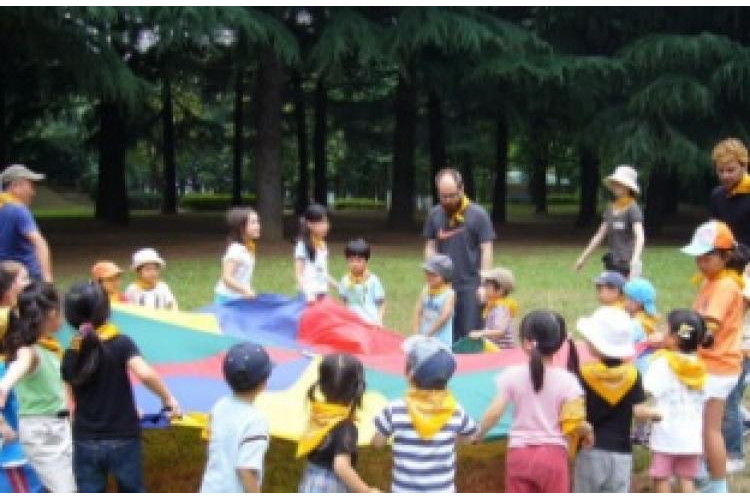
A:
(596, 240)
(644, 412)
(24, 364)
(486, 251)
(151, 379)
(299, 267)
(417, 315)
(445, 315)
(490, 417)
(227, 275)
(381, 313)
(342, 466)
(430, 249)
(640, 240)
(41, 248)
(249, 479)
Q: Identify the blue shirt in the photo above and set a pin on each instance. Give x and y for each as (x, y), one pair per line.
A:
(432, 306)
(16, 223)
(364, 299)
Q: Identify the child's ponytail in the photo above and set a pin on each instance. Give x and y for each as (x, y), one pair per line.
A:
(536, 366)
(313, 213)
(545, 330)
(690, 329)
(86, 309)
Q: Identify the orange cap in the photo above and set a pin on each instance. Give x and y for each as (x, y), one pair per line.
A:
(105, 269)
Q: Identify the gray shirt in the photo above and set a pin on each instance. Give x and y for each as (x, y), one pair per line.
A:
(462, 242)
(620, 235)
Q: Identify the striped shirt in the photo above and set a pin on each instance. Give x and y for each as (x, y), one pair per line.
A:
(422, 465)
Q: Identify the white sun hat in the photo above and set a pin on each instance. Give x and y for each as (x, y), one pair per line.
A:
(625, 175)
(610, 331)
(146, 256)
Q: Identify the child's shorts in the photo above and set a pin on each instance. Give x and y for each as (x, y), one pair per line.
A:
(665, 465)
(719, 386)
(316, 479)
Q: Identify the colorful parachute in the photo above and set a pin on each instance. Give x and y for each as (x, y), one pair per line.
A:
(187, 349)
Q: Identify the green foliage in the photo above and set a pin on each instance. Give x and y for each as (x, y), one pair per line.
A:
(359, 204)
(211, 202)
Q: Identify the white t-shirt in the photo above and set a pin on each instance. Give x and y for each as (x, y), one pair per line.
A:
(679, 431)
(159, 297)
(243, 270)
(315, 272)
(238, 440)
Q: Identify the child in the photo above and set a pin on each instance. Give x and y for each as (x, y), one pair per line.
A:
(330, 440)
(361, 290)
(19, 278)
(622, 225)
(238, 264)
(108, 275)
(311, 254)
(548, 407)
(33, 355)
(96, 367)
(640, 303)
(148, 290)
(614, 394)
(734, 422)
(500, 310)
(676, 378)
(239, 432)
(720, 303)
(609, 285)
(426, 423)
(434, 312)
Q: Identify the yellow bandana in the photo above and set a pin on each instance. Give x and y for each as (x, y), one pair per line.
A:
(621, 204)
(357, 280)
(9, 198)
(114, 298)
(250, 245)
(429, 410)
(648, 322)
(458, 216)
(611, 383)
(510, 304)
(318, 242)
(742, 187)
(52, 345)
(691, 372)
(572, 414)
(323, 418)
(4, 318)
(106, 332)
(144, 286)
(440, 289)
(698, 278)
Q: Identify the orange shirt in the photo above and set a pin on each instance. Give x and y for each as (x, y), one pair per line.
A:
(720, 301)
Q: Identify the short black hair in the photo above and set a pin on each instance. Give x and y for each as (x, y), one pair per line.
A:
(357, 248)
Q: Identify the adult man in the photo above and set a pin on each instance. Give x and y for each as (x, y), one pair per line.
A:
(20, 239)
(463, 231)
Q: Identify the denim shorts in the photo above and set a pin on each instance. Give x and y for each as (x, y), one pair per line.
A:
(95, 459)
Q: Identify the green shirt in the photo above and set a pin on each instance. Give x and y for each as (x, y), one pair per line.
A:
(41, 392)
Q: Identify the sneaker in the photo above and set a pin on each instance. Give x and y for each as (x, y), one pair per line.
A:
(735, 465)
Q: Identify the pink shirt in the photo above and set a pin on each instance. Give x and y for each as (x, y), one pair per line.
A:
(536, 415)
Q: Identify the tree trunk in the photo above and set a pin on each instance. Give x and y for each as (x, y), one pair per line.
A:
(303, 183)
(401, 215)
(268, 145)
(672, 195)
(320, 138)
(112, 195)
(437, 140)
(239, 135)
(169, 202)
(500, 190)
(4, 139)
(467, 172)
(538, 177)
(588, 163)
(658, 185)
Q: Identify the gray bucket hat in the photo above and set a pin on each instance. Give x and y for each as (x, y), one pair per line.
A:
(440, 264)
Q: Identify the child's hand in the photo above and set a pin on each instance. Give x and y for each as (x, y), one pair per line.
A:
(475, 334)
(174, 407)
(249, 294)
(7, 432)
(475, 438)
(656, 415)
(374, 490)
(587, 436)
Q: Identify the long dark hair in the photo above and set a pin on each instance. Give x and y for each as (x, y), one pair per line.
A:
(690, 329)
(546, 330)
(738, 257)
(313, 213)
(35, 303)
(237, 222)
(86, 309)
(6, 281)
(341, 380)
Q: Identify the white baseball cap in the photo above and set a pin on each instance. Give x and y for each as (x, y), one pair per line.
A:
(146, 256)
(712, 235)
(610, 331)
(18, 172)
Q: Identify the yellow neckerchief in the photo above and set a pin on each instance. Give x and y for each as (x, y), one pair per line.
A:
(689, 371)
(145, 287)
(358, 280)
(458, 216)
(323, 418)
(620, 303)
(114, 298)
(611, 383)
(429, 410)
(507, 302)
(4, 319)
(52, 345)
(621, 204)
(699, 278)
(439, 290)
(318, 243)
(106, 332)
(647, 321)
(6, 197)
(250, 245)
(742, 187)
(572, 414)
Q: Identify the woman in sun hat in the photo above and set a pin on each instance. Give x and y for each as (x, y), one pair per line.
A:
(622, 225)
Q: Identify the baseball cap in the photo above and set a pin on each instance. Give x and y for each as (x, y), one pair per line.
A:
(17, 172)
(246, 366)
(610, 331)
(611, 278)
(709, 236)
(503, 277)
(642, 291)
(105, 269)
(428, 361)
(441, 265)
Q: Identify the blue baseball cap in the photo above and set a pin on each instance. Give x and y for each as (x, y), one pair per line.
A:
(642, 291)
(246, 366)
(611, 278)
(429, 362)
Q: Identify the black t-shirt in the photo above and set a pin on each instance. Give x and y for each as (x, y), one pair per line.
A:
(612, 424)
(104, 405)
(461, 243)
(734, 211)
(342, 440)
